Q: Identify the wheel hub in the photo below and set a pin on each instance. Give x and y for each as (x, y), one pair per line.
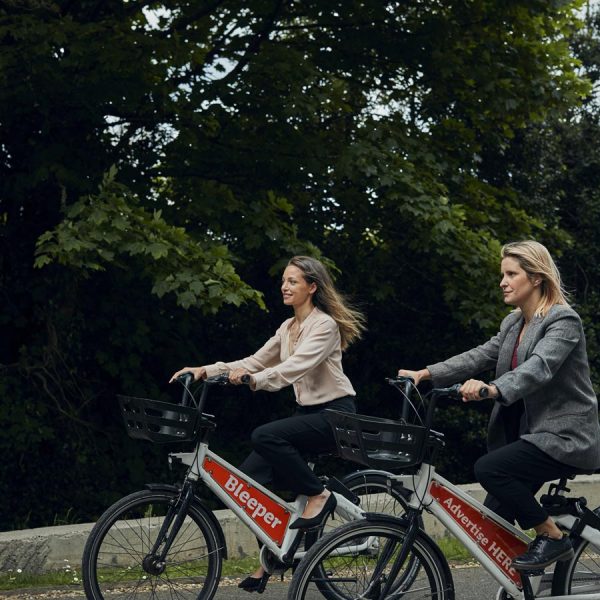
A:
(153, 566)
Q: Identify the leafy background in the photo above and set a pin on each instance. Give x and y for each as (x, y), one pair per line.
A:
(159, 163)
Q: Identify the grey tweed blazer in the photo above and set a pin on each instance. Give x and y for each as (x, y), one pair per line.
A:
(552, 377)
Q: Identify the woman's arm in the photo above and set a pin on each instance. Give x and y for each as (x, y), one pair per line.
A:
(417, 376)
(318, 344)
(464, 366)
(197, 372)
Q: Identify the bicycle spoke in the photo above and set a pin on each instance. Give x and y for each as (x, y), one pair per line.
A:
(122, 557)
(343, 567)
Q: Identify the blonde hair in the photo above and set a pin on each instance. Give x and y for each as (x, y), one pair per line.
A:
(535, 260)
(326, 298)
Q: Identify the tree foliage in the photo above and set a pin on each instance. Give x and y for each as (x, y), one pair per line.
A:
(161, 162)
(112, 229)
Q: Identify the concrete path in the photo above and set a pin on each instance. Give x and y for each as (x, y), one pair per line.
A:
(472, 583)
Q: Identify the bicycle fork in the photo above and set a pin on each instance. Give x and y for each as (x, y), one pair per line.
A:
(379, 586)
(155, 563)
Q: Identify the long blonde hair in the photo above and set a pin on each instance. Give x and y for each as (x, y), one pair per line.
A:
(536, 261)
(326, 298)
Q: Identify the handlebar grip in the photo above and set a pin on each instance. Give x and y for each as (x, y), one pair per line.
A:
(245, 378)
(399, 379)
(453, 391)
(221, 379)
(484, 392)
(186, 377)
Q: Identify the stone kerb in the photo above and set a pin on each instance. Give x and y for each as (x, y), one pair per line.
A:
(52, 548)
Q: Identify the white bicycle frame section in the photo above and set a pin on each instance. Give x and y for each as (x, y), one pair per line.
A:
(489, 538)
(263, 512)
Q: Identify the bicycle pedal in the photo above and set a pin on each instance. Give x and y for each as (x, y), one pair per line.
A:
(532, 573)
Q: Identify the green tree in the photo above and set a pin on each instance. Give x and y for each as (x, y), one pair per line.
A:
(553, 167)
(242, 133)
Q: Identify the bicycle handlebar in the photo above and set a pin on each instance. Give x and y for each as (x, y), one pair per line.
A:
(451, 392)
(186, 378)
(404, 385)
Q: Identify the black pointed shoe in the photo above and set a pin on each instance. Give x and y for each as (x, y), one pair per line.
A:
(255, 584)
(317, 520)
(543, 551)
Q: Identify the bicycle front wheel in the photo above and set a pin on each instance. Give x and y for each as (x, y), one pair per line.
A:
(117, 560)
(581, 574)
(376, 496)
(356, 559)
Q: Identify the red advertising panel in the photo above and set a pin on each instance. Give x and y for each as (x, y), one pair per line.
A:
(271, 517)
(498, 543)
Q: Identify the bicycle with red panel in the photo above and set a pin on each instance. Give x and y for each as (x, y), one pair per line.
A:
(375, 558)
(164, 542)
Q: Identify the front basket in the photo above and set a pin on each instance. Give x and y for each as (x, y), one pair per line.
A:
(159, 422)
(377, 443)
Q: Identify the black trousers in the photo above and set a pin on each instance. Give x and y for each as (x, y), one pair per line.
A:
(278, 447)
(512, 475)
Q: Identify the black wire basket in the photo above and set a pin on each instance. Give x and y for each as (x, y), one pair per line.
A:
(158, 422)
(378, 443)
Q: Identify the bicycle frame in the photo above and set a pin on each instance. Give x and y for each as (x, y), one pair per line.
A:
(489, 538)
(267, 515)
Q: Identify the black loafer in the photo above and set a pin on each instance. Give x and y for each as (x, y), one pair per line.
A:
(543, 551)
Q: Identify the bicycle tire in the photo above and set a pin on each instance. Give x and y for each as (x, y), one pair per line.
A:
(114, 552)
(580, 574)
(345, 559)
(376, 496)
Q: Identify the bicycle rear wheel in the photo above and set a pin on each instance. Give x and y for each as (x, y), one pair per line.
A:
(115, 558)
(351, 563)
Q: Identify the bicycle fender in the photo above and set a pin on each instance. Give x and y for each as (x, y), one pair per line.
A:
(206, 513)
(402, 522)
(361, 472)
(350, 477)
(375, 516)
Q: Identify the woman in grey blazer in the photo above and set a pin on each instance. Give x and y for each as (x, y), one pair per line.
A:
(544, 422)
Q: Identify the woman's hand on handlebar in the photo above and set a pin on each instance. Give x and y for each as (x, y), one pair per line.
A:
(474, 389)
(240, 376)
(197, 372)
(417, 376)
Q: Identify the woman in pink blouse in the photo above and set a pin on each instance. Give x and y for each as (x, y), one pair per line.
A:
(306, 352)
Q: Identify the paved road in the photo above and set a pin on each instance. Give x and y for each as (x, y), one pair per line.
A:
(472, 583)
